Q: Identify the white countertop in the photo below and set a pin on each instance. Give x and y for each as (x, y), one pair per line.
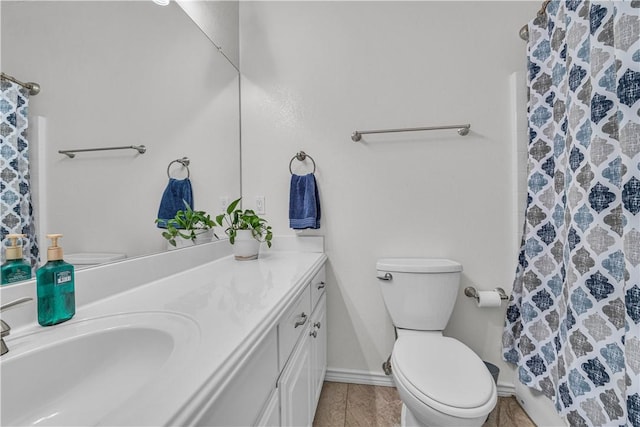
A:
(232, 304)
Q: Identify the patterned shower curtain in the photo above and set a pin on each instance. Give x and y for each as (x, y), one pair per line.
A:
(573, 320)
(15, 200)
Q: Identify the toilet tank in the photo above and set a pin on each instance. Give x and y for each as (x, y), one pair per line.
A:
(419, 293)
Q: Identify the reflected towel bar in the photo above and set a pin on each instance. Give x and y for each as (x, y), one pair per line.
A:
(462, 130)
(71, 153)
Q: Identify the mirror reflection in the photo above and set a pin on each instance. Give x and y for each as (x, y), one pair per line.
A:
(118, 73)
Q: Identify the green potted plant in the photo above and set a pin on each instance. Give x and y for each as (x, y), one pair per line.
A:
(246, 230)
(189, 227)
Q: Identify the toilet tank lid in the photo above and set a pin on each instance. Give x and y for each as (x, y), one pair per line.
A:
(90, 258)
(419, 265)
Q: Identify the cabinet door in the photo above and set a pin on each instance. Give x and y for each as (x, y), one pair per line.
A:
(270, 417)
(318, 336)
(295, 386)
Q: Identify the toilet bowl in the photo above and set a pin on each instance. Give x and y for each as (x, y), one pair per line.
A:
(89, 259)
(441, 381)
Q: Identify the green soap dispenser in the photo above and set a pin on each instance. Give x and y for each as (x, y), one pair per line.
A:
(15, 269)
(55, 287)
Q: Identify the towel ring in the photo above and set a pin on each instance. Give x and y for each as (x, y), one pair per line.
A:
(301, 156)
(184, 162)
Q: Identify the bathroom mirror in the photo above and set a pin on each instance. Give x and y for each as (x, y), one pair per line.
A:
(121, 73)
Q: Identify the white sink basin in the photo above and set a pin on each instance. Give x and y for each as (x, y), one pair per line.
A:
(78, 373)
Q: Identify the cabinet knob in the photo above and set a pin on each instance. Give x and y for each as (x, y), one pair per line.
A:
(302, 321)
(313, 334)
(317, 325)
(321, 285)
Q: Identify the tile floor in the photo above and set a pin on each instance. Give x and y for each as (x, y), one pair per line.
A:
(344, 404)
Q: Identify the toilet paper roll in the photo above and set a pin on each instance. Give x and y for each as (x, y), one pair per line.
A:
(488, 299)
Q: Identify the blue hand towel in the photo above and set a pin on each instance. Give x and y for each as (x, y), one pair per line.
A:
(304, 203)
(177, 193)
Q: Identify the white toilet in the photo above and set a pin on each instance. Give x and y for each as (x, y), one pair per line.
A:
(441, 381)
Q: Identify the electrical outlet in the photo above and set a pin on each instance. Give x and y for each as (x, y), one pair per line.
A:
(224, 202)
(260, 209)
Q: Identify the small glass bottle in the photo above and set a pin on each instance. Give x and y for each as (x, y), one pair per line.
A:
(15, 269)
(55, 287)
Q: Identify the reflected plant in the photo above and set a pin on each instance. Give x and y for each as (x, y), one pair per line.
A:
(187, 224)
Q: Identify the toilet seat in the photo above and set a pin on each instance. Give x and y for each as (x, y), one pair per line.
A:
(443, 374)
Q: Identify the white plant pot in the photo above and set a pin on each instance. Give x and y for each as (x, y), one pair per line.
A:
(245, 246)
(201, 237)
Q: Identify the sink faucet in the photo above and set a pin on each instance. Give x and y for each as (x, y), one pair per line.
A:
(5, 329)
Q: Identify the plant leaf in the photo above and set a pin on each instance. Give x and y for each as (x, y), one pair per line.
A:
(233, 205)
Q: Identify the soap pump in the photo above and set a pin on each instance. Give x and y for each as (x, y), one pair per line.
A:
(55, 287)
(15, 269)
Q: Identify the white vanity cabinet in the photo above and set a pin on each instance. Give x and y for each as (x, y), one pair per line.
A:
(295, 387)
(318, 335)
(279, 382)
(318, 340)
(301, 379)
(271, 413)
(244, 396)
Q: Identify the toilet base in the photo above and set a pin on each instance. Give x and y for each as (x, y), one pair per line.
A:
(407, 419)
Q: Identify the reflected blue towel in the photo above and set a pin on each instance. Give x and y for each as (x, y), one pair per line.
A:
(177, 193)
(304, 203)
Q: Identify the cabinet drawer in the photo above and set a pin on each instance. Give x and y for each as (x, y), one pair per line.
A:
(318, 286)
(291, 326)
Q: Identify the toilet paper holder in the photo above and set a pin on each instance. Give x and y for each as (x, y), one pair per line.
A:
(472, 292)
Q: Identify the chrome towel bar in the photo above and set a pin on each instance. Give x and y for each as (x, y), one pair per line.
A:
(462, 130)
(71, 153)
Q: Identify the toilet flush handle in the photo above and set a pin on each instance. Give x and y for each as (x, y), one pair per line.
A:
(387, 276)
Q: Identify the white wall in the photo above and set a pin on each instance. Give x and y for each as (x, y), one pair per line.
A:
(219, 21)
(313, 72)
(123, 73)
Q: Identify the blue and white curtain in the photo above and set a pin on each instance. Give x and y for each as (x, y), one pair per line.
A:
(573, 321)
(15, 200)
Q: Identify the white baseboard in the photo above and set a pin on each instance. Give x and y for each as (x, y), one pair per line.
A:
(540, 409)
(358, 377)
(506, 389)
(353, 376)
